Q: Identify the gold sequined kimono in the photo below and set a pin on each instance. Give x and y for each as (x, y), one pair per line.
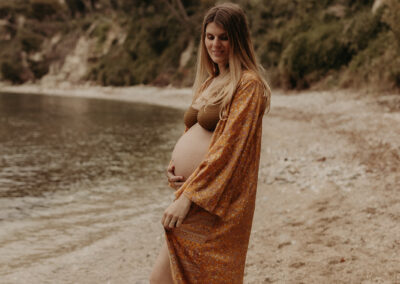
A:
(211, 244)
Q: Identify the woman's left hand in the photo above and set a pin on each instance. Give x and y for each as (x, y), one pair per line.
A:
(176, 212)
(174, 181)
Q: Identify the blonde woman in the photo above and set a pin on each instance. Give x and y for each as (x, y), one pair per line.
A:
(214, 165)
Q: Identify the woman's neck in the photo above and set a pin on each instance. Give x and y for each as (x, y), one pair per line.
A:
(222, 70)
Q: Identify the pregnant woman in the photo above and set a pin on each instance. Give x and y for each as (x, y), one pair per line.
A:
(214, 165)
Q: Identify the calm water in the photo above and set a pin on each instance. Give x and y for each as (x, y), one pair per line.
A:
(51, 143)
(67, 163)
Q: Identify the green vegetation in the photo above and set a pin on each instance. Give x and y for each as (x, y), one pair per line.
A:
(12, 70)
(302, 44)
(45, 9)
(311, 55)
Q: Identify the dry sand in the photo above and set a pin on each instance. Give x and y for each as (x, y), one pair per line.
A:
(328, 203)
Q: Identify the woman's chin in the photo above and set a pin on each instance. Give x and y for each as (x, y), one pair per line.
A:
(220, 62)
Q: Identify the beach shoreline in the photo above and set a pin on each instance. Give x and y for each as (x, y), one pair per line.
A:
(167, 96)
(327, 206)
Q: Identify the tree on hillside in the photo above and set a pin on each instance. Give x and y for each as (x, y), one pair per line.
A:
(76, 6)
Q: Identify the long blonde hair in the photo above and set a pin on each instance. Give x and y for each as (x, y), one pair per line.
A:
(232, 19)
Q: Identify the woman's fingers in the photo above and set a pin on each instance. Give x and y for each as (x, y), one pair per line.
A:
(167, 221)
(175, 184)
(171, 171)
(171, 174)
(176, 212)
(174, 178)
(170, 221)
(173, 222)
(179, 222)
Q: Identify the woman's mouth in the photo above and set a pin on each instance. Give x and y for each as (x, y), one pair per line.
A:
(217, 53)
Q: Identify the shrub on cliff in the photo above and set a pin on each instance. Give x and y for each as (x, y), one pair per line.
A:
(38, 68)
(12, 70)
(377, 65)
(150, 52)
(310, 55)
(42, 9)
(116, 69)
(391, 16)
(30, 41)
(377, 61)
(362, 28)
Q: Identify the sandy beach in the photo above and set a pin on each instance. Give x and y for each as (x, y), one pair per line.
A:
(328, 202)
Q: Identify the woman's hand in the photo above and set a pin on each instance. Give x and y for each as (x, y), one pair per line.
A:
(174, 181)
(176, 212)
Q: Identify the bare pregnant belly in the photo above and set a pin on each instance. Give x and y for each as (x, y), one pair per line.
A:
(190, 150)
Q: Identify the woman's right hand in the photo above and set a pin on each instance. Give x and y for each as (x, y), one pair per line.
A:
(174, 181)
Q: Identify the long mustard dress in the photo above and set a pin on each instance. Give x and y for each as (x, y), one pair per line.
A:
(211, 244)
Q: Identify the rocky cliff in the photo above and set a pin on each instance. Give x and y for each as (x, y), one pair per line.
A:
(302, 44)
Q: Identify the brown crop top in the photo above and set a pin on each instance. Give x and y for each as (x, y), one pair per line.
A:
(207, 117)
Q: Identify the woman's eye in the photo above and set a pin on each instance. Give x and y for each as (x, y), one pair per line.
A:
(211, 37)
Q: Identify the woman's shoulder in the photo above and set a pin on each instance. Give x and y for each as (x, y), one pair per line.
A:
(249, 77)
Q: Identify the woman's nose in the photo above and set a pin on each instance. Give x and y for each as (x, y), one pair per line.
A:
(217, 42)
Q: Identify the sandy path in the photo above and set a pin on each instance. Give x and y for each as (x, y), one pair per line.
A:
(328, 203)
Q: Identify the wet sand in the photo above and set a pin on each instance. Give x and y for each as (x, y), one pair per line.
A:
(328, 203)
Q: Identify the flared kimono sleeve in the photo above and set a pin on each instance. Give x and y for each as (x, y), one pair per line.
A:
(209, 185)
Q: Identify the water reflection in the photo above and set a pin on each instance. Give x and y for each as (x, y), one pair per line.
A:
(74, 171)
(51, 143)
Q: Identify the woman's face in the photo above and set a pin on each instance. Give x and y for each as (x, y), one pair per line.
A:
(217, 44)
